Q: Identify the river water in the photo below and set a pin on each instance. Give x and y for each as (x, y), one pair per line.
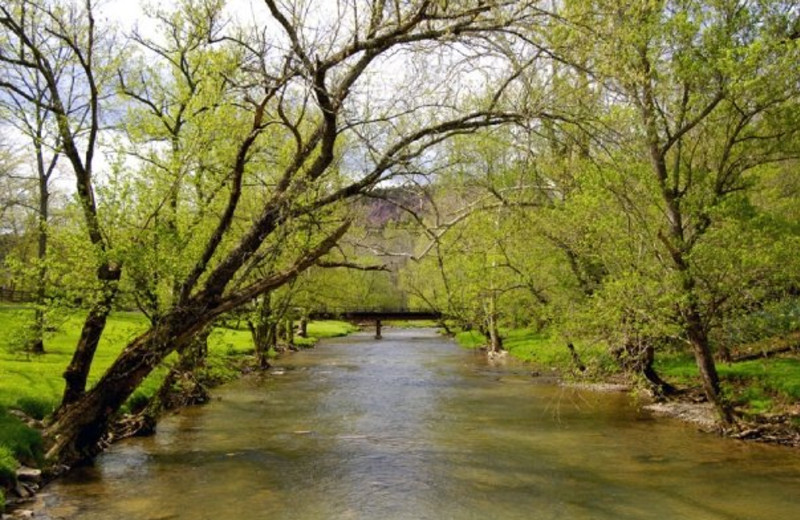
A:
(413, 427)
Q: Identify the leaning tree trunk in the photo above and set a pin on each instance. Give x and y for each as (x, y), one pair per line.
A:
(704, 357)
(80, 425)
(658, 385)
(182, 386)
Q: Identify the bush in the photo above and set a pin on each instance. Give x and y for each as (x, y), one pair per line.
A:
(773, 319)
(137, 402)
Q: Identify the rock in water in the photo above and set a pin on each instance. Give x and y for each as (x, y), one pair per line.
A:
(29, 474)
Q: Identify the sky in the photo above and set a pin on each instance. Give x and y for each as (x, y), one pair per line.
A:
(385, 79)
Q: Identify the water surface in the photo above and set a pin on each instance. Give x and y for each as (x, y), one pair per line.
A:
(412, 427)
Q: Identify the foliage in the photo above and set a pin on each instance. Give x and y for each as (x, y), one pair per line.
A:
(654, 213)
(771, 318)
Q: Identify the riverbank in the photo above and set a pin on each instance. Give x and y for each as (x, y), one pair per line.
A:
(31, 385)
(765, 391)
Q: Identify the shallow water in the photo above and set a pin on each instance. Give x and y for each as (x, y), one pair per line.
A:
(412, 427)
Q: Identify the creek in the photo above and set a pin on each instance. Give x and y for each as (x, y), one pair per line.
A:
(413, 427)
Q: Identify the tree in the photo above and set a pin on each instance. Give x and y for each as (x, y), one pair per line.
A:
(23, 108)
(708, 83)
(47, 33)
(307, 122)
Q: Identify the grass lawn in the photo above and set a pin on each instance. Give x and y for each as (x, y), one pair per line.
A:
(757, 386)
(33, 383)
(541, 348)
(410, 324)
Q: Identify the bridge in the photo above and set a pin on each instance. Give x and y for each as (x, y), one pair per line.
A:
(374, 314)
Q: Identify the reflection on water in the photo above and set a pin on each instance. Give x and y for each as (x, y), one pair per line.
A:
(413, 427)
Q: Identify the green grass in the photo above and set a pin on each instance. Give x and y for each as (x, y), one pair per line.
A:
(27, 379)
(330, 329)
(756, 385)
(541, 348)
(411, 324)
(34, 383)
(24, 443)
(470, 339)
(318, 330)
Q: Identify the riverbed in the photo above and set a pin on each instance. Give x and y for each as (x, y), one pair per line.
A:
(414, 427)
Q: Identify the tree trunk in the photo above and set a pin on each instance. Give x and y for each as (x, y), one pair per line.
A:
(576, 359)
(658, 385)
(637, 356)
(36, 344)
(80, 425)
(263, 331)
(78, 370)
(708, 369)
(289, 330)
(181, 387)
(443, 324)
(495, 341)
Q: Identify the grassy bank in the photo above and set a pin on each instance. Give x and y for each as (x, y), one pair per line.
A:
(761, 386)
(33, 383)
(545, 350)
(756, 387)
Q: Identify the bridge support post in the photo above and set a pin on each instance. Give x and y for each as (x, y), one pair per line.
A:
(378, 329)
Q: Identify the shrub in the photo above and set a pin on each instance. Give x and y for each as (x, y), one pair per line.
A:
(137, 401)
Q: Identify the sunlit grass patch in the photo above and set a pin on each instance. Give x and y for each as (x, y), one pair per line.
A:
(470, 339)
(330, 329)
(541, 348)
(757, 385)
(230, 341)
(411, 324)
